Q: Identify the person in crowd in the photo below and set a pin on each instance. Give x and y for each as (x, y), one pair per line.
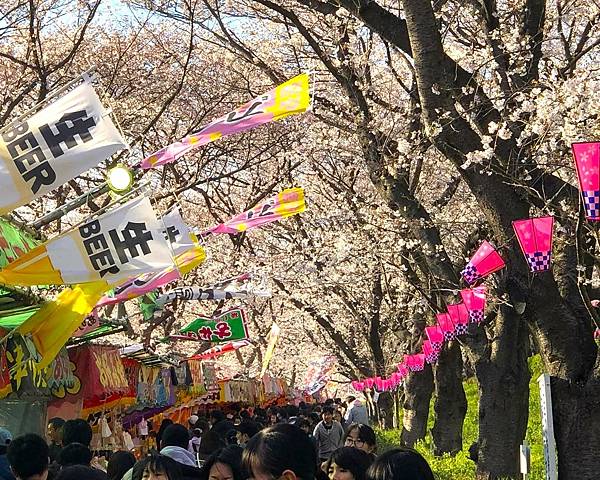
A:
(192, 421)
(338, 417)
(54, 434)
(77, 431)
(361, 436)
(119, 463)
(306, 426)
(224, 464)
(220, 424)
(348, 463)
(211, 442)
(163, 426)
(75, 454)
(157, 467)
(5, 439)
(194, 443)
(400, 464)
(282, 451)
(175, 441)
(357, 411)
(81, 472)
(328, 434)
(28, 457)
(245, 431)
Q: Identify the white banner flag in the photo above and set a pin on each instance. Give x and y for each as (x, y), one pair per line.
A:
(177, 232)
(123, 243)
(60, 142)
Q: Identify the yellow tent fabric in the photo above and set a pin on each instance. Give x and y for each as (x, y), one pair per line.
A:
(57, 320)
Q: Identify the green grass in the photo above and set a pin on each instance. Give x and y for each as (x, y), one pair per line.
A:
(460, 467)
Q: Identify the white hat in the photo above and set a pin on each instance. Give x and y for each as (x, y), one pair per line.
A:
(193, 419)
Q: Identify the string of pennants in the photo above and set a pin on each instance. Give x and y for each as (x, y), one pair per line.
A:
(535, 238)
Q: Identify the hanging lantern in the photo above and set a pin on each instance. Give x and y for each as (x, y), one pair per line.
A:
(535, 238)
(587, 162)
(358, 386)
(379, 384)
(415, 363)
(474, 299)
(403, 368)
(485, 262)
(447, 326)
(396, 378)
(369, 382)
(460, 317)
(436, 337)
(431, 355)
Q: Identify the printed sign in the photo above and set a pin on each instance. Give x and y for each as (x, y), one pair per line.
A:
(230, 325)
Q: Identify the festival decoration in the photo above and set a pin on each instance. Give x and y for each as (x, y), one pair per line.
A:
(403, 369)
(485, 262)
(317, 374)
(587, 163)
(431, 355)
(286, 99)
(122, 243)
(58, 143)
(53, 325)
(221, 349)
(229, 325)
(416, 362)
(459, 314)
(435, 336)
(237, 287)
(535, 238)
(272, 339)
(286, 203)
(474, 299)
(447, 326)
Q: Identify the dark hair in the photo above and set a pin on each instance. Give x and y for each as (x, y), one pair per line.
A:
(230, 456)
(279, 448)
(118, 464)
(350, 398)
(77, 431)
(248, 427)
(80, 472)
(163, 426)
(75, 454)
(175, 435)
(365, 433)
(245, 415)
(400, 464)
(327, 409)
(352, 459)
(28, 455)
(211, 442)
(217, 415)
(157, 464)
(56, 422)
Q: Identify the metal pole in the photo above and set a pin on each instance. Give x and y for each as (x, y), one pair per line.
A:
(73, 204)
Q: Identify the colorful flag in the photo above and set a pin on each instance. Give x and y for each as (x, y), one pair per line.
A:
(52, 326)
(61, 141)
(120, 244)
(272, 342)
(287, 99)
(229, 325)
(285, 204)
(220, 350)
(147, 304)
(237, 287)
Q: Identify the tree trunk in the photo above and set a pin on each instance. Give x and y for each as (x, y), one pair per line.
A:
(575, 408)
(450, 402)
(418, 388)
(503, 377)
(386, 410)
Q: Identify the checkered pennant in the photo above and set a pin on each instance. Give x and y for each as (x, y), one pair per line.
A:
(476, 316)
(432, 358)
(418, 368)
(539, 261)
(591, 200)
(449, 336)
(461, 328)
(436, 346)
(470, 274)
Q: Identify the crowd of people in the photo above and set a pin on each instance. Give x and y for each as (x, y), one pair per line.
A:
(307, 442)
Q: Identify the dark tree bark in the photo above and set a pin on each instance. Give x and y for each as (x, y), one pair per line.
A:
(418, 388)
(386, 406)
(450, 402)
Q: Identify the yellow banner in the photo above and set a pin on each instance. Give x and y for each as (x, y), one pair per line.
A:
(273, 337)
